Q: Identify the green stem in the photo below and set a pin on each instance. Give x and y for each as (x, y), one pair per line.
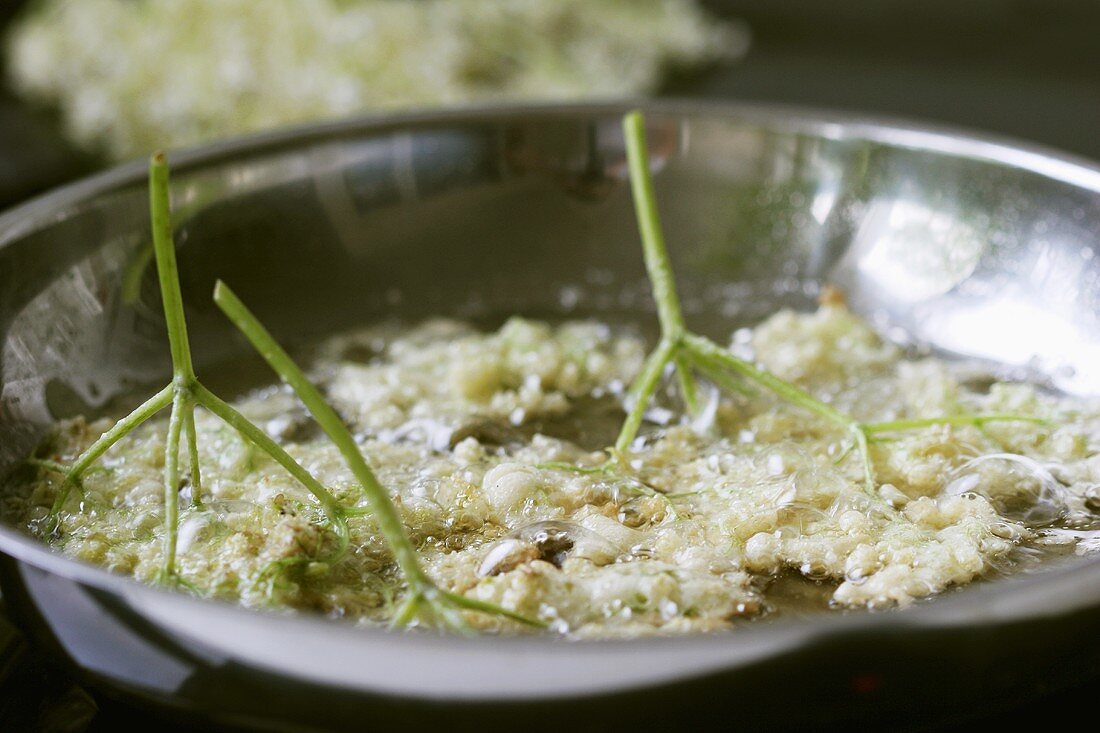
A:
(193, 455)
(689, 389)
(385, 513)
(608, 469)
(172, 482)
(121, 429)
(263, 441)
(67, 485)
(473, 604)
(844, 453)
(47, 465)
(706, 349)
(408, 611)
(975, 420)
(649, 225)
(167, 270)
(572, 468)
(859, 435)
(642, 389)
(720, 377)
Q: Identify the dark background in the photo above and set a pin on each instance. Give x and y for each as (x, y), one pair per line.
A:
(1028, 69)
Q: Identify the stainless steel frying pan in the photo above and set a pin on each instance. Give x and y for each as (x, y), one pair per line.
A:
(962, 244)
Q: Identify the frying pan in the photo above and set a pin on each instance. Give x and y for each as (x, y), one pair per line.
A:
(955, 244)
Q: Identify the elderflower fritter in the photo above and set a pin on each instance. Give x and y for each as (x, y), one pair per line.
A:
(179, 72)
(525, 372)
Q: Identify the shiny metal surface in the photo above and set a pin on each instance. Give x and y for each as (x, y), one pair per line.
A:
(965, 245)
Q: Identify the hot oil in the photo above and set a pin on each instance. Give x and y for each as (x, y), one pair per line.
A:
(790, 595)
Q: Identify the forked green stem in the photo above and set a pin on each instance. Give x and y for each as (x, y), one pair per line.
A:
(686, 350)
(185, 392)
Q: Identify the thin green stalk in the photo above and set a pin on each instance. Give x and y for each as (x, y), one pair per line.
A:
(649, 225)
(193, 455)
(68, 483)
(720, 377)
(609, 468)
(572, 468)
(264, 442)
(642, 390)
(167, 271)
(926, 422)
(408, 611)
(689, 389)
(859, 435)
(172, 482)
(121, 429)
(704, 348)
(72, 473)
(474, 604)
(844, 453)
(47, 465)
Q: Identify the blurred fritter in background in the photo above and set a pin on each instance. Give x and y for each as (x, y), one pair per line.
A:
(90, 82)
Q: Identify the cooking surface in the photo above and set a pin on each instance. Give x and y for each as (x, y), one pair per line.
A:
(1016, 68)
